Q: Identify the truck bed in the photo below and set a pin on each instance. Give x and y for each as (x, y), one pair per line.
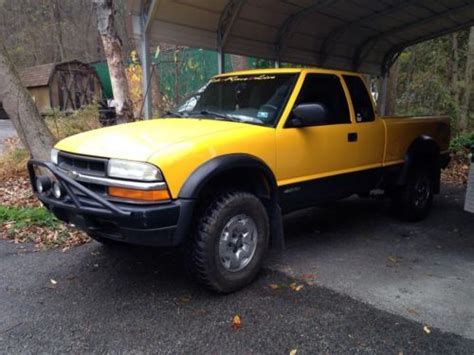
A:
(400, 133)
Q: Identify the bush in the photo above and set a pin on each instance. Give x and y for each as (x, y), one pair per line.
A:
(13, 161)
(463, 143)
(62, 125)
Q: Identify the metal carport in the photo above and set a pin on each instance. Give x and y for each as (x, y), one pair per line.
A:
(360, 35)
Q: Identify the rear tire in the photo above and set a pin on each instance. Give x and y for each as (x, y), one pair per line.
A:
(413, 201)
(230, 240)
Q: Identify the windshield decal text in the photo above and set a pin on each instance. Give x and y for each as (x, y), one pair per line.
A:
(238, 78)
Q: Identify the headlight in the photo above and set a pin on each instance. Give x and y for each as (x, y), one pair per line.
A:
(133, 170)
(54, 156)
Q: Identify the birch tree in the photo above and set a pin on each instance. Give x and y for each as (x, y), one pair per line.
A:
(113, 52)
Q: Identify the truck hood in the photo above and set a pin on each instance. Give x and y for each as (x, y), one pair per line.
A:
(140, 140)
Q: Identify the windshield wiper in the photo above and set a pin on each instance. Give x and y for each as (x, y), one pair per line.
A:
(217, 115)
(173, 114)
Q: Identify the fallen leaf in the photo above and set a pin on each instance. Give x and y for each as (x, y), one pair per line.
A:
(293, 352)
(393, 259)
(185, 299)
(413, 312)
(54, 282)
(426, 329)
(295, 287)
(236, 323)
(274, 286)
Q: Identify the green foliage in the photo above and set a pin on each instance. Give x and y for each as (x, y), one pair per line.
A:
(24, 217)
(428, 83)
(463, 142)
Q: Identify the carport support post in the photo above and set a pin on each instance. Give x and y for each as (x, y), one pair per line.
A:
(220, 61)
(146, 73)
(383, 95)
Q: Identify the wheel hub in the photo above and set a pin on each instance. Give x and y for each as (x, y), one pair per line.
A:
(422, 192)
(238, 242)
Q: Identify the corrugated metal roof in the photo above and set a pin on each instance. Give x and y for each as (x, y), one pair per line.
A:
(38, 75)
(361, 35)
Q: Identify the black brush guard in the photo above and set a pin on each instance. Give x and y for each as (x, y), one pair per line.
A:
(67, 183)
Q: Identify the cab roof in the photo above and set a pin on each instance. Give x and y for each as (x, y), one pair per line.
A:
(287, 71)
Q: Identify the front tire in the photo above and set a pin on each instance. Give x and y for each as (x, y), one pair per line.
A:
(230, 240)
(413, 201)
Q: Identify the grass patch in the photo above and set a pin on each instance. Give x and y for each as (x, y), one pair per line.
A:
(39, 226)
(24, 217)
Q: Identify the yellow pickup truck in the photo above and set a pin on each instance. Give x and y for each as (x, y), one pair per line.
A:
(217, 175)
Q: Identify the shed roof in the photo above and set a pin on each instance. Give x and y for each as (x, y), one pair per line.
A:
(360, 35)
(38, 75)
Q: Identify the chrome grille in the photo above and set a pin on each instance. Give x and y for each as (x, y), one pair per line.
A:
(82, 164)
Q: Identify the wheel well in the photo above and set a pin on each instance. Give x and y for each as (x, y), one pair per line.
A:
(247, 179)
(424, 151)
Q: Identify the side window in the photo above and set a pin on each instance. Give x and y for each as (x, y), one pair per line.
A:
(363, 109)
(326, 89)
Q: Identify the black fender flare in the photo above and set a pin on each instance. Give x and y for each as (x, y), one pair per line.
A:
(198, 179)
(422, 146)
(221, 164)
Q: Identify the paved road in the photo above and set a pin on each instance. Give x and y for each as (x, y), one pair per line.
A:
(358, 262)
(422, 271)
(6, 131)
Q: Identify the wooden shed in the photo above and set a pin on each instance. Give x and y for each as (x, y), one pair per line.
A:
(62, 86)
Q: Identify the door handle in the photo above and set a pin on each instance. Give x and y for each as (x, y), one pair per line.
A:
(352, 137)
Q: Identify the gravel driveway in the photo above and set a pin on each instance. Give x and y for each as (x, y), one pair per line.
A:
(371, 284)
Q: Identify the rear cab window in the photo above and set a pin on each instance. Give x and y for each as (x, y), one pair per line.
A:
(363, 108)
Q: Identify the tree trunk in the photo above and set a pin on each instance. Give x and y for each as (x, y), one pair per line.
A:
(56, 19)
(464, 114)
(455, 70)
(239, 62)
(155, 90)
(113, 51)
(392, 89)
(21, 109)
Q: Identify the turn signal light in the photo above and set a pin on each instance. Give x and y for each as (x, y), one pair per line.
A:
(140, 195)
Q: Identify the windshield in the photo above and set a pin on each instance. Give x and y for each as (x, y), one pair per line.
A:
(257, 99)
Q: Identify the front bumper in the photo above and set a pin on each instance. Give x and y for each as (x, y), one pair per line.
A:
(161, 224)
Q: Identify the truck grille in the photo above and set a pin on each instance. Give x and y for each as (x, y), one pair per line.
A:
(82, 164)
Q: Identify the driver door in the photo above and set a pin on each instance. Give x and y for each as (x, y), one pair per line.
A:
(313, 162)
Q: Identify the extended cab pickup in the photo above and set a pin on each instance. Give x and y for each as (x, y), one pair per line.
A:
(217, 175)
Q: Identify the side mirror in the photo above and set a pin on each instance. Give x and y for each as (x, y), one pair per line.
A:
(311, 114)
